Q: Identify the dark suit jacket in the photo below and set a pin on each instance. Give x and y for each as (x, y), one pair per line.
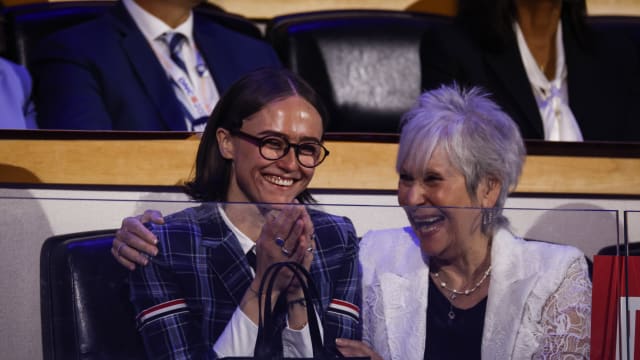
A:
(104, 75)
(201, 264)
(603, 80)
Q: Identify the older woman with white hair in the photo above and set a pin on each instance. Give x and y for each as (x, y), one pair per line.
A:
(457, 284)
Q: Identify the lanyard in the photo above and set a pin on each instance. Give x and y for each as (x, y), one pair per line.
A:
(197, 108)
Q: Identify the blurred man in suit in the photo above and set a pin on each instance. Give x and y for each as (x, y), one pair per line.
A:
(145, 65)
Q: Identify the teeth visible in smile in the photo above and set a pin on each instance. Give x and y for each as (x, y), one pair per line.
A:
(428, 221)
(279, 181)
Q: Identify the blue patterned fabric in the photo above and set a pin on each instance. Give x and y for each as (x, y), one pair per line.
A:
(200, 260)
(174, 42)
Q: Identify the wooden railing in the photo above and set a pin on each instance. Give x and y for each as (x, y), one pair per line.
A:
(357, 162)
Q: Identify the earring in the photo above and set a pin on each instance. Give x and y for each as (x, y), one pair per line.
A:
(487, 217)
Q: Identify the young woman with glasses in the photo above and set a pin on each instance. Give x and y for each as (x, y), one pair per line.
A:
(197, 297)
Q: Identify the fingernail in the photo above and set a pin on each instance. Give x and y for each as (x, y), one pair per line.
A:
(339, 341)
(155, 240)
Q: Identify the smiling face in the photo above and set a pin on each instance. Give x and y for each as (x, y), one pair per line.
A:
(258, 180)
(443, 215)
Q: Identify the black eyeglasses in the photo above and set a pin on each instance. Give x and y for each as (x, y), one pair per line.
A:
(309, 153)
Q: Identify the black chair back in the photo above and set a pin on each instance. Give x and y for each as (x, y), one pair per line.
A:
(364, 63)
(634, 249)
(85, 308)
(26, 25)
(628, 26)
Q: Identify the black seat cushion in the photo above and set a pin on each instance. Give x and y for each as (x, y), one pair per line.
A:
(85, 308)
(364, 63)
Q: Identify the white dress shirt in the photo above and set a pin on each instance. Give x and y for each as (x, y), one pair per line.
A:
(552, 96)
(198, 75)
(240, 334)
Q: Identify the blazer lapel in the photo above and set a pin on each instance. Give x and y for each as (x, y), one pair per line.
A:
(227, 261)
(226, 258)
(510, 73)
(212, 47)
(404, 299)
(508, 293)
(149, 71)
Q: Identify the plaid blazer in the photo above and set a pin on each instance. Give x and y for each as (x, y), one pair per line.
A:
(187, 294)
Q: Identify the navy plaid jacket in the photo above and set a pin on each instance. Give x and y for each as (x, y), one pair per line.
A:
(187, 294)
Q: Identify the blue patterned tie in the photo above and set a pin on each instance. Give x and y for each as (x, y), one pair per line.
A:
(175, 42)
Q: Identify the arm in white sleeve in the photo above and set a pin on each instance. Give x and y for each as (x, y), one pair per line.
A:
(297, 343)
(240, 334)
(238, 338)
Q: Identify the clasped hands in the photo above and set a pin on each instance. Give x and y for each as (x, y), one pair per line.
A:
(286, 235)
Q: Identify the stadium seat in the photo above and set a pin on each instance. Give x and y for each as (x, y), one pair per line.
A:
(85, 308)
(364, 63)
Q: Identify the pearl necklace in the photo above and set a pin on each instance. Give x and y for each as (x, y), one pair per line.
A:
(466, 292)
(455, 292)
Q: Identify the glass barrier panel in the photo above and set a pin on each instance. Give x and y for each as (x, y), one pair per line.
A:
(629, 334)
(632, 229)
(32, 216)
(616, 295)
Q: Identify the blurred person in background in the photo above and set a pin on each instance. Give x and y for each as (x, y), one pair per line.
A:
(16, 108)
(145, 65)
(556, 77)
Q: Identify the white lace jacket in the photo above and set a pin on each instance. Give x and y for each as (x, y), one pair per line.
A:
(539, 304)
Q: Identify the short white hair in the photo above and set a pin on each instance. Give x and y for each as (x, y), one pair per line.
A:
(479, 139)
